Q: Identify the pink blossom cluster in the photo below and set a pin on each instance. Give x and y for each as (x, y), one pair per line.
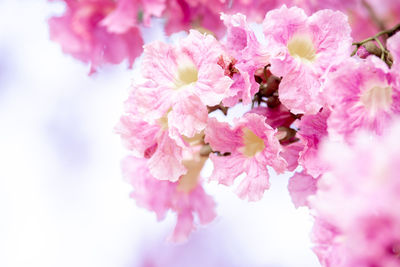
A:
(357, 203)
(302, 85)
(109, 31)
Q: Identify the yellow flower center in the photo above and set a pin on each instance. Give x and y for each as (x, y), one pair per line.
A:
(189, 181)
(252, 143)
(302, 47)
(187, 74)
(197, 139)
(163, 121)
(377, 98)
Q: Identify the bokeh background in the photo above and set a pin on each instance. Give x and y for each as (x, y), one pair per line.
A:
(63, 201)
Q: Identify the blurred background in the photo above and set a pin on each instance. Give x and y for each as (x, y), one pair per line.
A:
(63, 201)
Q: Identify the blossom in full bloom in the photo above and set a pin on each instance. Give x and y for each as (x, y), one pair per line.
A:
(181, 81)
(153, 142)
(248, 54)
(251, 146)
(303, 50)
(81, 34)
(363, 95)
(186, 198)
(357, 202)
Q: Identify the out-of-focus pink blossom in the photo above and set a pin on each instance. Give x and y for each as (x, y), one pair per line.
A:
(313, 6)
(327, 239)
(186, 198)
(357, 199)
(366, 17)
(252, 146)
(204, 15)
(363, 96)
(123, 17)
(132, 13)
(303, 49)
(81, 34)
(301, 186)
(186, 15)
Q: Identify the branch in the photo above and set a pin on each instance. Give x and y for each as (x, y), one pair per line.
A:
(384, 53)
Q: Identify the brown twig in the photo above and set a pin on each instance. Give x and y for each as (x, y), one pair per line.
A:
(384, 53)
(218, 107)
(206, 150)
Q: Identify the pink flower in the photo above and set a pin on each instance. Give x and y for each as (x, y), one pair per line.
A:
(313, 6)
(203, 15)
(362, 25)
(186, 198)
(312, 130)
(303, 49)
(363, 96)
(131, 13)
(181, 81)
(327, 247)
(137, 135)
(80, 33)
(248, 54)
(123, 17)
(362, 187)
(254, 9)
(184, 15)
(241, 41)
(252, 146)
(301, 186)
(291, 153)
(152, 141)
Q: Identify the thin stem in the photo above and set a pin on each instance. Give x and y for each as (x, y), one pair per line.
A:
(383, 50)
(355, 49)
(389, 32)
(265, 71)
(384, 54)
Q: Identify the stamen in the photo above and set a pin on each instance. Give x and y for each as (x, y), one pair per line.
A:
(252, 143)
(301, 46)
